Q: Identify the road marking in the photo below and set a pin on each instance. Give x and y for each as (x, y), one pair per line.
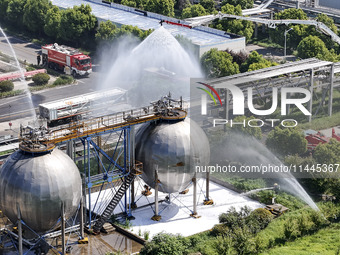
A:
(19, 97)
(17, 113)
(80, 81)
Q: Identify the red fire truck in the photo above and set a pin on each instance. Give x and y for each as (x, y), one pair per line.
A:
(65, 58)
(314, 138)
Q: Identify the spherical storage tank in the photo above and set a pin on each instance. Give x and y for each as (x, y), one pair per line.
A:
(173, 148)
(39, 183)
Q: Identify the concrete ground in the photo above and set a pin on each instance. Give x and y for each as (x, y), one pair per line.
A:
(176, 215)
(6, 130)
(269, 53)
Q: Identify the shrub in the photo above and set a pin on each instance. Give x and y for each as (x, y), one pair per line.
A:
(235, 219)
(165, 244)
(304, 224)
(223, 245)
(146, 235)
(220, 230)
(291, 230)
(260, 217)
(12, 93)
(41, 79)
(63, 79)
(30, 68)
(6, 86)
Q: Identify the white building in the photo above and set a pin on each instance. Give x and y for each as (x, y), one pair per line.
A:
(203, 38)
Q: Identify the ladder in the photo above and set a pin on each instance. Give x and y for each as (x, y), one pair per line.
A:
(113, 203)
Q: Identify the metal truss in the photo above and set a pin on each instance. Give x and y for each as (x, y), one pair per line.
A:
(271, 23)
(313, 74)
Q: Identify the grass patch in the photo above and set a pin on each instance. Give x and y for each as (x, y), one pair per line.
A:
(319, 121)
(322, 122)
(290, 201)
(63, 80)
(326, 242)
(12, 93)
(264, 42)
(244, 184)
(60, 81)
(6, 152)
(41, 87)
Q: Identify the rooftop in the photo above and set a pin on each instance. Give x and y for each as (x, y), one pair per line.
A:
(129, 16)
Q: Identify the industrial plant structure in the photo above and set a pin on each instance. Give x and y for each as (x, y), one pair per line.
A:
(41, 188)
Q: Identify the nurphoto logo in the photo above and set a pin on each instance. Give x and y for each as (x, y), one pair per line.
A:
(239, 98)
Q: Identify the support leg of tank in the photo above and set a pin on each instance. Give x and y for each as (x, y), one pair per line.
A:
(156, 217)
(194, 212)
(81, 218)
(19, 231)
(207, 200)
(63, 229)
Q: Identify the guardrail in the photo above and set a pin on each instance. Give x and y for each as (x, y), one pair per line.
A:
(18, 75)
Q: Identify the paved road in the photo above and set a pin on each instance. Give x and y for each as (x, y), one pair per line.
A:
(19, 106)
(23, 49)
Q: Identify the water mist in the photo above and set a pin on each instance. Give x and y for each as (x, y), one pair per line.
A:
(249, 151)
(28, 93)
(155, 67)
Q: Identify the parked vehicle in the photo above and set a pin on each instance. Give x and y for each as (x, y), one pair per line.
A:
(70, 60)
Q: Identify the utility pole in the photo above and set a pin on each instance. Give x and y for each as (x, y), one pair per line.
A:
(285, 48)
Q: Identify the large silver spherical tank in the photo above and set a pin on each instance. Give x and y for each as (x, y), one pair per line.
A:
(173, 148)
(39, 183)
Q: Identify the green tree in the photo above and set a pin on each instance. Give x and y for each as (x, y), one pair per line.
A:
(181, 4)
(313, 46)
(129, 3)
(193, 11)
(128, 30)
(52, 22)
(240, 27)
(286, 141)
(209, 5)
(243, 243)
(294, 36)
(260, 217)
(35, 13)
(238, 57)
(328, 153)
(223, 245)
(165, 244)
(77, 24)
(15, 12)
(247, 130)
(217, 63)
(255, 61)
(3, 9)
(245, 4)
(164, 7)
(291, 13)
(329, 22)
(106, 31)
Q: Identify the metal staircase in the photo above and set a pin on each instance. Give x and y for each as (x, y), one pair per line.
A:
(113, 203)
